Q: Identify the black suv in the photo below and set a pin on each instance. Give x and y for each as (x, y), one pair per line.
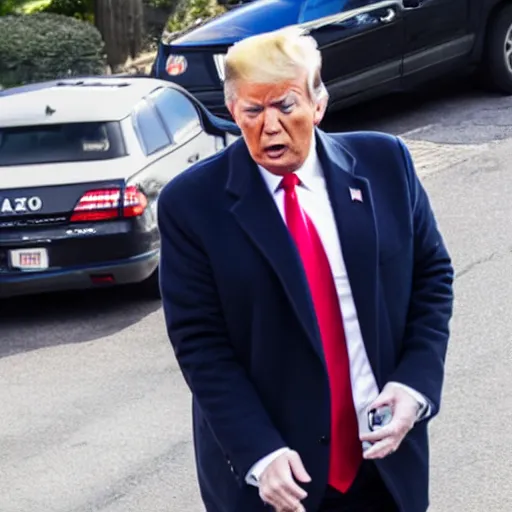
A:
(369, 47)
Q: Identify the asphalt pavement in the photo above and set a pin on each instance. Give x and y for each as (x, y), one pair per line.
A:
(94, 414)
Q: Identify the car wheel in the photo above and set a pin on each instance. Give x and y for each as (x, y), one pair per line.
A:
(498, 58)
(151, 286)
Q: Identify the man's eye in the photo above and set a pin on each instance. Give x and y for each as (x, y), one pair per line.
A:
(287, 108)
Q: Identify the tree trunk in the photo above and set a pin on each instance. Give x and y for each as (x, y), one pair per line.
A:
(155, 18)
(121, 25)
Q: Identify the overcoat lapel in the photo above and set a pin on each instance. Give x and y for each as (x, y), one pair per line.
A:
(257, 214)
(352, 203)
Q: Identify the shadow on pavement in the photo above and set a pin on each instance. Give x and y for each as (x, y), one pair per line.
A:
(33, 322)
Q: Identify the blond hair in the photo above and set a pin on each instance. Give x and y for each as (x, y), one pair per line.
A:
(272, 57)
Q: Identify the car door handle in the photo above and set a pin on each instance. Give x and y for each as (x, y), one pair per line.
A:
(193, 158)
(389, 17)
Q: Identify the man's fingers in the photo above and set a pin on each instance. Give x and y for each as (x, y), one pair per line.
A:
(381, 433)
(387, 397)
(397, 428)
(291, 488)
(298, 469)
(385, 440)
(279, 499)
(283, 491)
(277, 486)
(300, 508)
(381, 449)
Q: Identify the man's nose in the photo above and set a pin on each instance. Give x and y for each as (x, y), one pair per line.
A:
(271, 121)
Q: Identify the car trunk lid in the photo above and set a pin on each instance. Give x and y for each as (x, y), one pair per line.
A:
(51, 194)
(40, 206)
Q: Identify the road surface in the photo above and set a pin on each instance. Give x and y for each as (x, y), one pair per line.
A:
(94, 413)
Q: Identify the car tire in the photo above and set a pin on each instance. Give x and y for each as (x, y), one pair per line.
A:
(498, 51)
(151, 286)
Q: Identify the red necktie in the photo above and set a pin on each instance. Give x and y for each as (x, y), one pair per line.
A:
(345, 446)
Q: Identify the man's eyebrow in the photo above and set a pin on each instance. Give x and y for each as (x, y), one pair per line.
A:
(255, 104)
(287, 97)
(251, 104)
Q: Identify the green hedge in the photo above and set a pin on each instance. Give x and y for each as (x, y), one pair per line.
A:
(40, 47)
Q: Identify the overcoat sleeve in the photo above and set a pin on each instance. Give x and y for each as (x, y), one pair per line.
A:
(427, 327)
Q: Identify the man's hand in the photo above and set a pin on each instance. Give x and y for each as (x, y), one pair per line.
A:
(387, 439)
(278, 487)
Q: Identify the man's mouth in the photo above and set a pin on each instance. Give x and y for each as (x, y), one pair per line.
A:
(275, 150)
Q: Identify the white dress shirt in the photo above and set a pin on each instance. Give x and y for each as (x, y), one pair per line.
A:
(313, 198)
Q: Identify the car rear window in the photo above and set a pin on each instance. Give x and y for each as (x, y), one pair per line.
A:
(72, 142)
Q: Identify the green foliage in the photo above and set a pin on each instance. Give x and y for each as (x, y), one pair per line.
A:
(33, 6)
(84, 9)
(80, 9)
(40, 47)
(10, 6)
(190, 11)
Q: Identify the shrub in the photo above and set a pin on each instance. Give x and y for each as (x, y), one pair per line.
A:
(40, 47)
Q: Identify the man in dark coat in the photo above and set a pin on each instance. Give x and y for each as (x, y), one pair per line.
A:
(305, 284)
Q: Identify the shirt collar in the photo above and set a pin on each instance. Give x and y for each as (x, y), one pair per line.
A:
(310, 169)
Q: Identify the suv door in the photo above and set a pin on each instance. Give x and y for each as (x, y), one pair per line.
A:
(361, 43)
(437, 38)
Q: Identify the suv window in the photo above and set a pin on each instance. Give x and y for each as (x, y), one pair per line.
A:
(54, 143)
(149, 128)
(315, 9)
(178, 113)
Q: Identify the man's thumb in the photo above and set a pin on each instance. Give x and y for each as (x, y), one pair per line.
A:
(298, 469)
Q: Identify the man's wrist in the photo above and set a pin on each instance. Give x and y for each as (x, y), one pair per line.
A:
(424, 407)
(254, 474)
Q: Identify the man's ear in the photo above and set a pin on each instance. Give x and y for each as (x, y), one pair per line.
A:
(320, 108)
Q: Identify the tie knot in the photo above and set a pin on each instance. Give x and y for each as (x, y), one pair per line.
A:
(290, 181)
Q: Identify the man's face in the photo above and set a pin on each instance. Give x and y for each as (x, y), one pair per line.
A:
(277, 122)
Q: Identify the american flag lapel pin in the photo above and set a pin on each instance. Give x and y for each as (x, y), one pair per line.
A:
(356, 194)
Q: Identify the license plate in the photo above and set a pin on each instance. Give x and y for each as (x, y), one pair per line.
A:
(29, 259)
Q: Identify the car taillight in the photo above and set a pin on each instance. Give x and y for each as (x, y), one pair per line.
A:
(104, 204)
(134, 203)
